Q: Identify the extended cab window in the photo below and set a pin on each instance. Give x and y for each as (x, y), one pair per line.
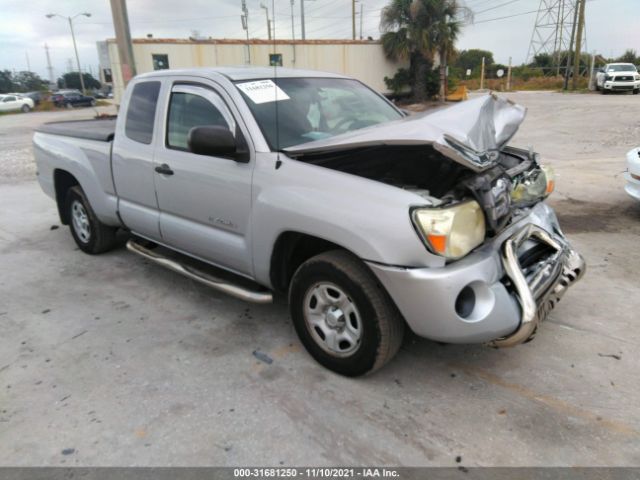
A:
(192, 106)
(141, 112)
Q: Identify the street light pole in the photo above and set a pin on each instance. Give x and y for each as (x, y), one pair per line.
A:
(266, 11)
(73, 37)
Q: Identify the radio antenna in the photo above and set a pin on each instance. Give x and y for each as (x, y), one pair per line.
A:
(275, 61)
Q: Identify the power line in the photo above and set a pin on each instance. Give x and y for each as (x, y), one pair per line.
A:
(505, 17)
(497, 6)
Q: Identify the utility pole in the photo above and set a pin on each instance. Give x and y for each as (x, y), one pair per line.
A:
(576, 64)
(592, 66)
(123, 39)
(353, 18)
(361, 5)
(302, 18)
(573, 34)
(509, 76)
(293, 34)
(245, 26)
(482, 75)
(49, 67)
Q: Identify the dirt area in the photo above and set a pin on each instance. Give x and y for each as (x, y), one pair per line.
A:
(110, 360)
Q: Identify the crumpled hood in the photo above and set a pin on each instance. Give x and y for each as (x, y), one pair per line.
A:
(471, 132)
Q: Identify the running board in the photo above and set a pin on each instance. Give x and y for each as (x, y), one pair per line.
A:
(209, 280)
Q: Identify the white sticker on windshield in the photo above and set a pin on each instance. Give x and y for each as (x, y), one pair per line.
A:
(263, 91)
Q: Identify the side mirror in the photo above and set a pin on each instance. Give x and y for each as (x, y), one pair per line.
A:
(213, 141)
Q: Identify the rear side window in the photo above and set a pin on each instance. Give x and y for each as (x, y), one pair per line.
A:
(141, 112)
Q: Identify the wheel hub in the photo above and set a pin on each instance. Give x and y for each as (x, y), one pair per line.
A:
(80, 221)
(332, 318)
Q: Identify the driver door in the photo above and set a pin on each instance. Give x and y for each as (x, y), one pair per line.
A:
(204, 201)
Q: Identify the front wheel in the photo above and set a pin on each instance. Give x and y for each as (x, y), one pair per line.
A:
(636, 91)
(343, 317)
(93, 103)
(89, 233)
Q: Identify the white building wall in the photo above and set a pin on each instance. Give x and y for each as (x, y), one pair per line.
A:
(362, 60)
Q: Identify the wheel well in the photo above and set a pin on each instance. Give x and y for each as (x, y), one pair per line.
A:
(63, 181)
(291, 250)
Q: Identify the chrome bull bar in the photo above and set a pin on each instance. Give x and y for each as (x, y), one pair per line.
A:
(539, 294)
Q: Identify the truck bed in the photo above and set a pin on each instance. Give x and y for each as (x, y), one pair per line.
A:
(99, 129)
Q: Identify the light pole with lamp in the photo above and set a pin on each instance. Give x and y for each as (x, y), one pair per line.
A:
(266, 11)
(73, 37)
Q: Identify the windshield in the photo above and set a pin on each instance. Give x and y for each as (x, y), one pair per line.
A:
(621, 68)
(312, 108)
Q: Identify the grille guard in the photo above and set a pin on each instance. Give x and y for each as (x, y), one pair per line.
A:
(538, 294)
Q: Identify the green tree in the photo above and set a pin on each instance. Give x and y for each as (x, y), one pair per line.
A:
(415, 30)
(29, 81)
(472, 60)
(6, 82)
(629, 56)
(72, 80)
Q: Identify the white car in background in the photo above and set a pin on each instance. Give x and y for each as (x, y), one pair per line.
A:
(618, 77)
(10, 103)
(633, 173)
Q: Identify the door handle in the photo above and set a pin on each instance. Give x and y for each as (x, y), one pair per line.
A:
(164, 169)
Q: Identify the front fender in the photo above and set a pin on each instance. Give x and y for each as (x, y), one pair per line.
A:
(366, 217)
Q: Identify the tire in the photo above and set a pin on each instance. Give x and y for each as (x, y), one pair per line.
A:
(25, 109)
(597, 87)
(93, 103)
(91, 235)
(68, 105)
(636, 91)
(354, 310)
(604, 91)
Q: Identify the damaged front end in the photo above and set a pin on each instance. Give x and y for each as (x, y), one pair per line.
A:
(476, 192)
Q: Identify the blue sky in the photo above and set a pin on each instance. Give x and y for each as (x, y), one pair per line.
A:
(612, 25)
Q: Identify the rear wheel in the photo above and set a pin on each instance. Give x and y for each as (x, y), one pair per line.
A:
(25, 108)
(68, 105)
(93, 103)
(344, 318)
(91, 235)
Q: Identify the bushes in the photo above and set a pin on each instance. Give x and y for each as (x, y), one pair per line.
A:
(400, 83)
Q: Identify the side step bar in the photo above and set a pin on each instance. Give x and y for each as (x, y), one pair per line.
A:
(210, 281)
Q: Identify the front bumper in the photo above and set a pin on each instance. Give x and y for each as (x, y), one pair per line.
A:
(632, 176)
(508, 302)
(622, 86)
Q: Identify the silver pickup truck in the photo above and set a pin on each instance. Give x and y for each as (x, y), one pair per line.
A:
(259, 181)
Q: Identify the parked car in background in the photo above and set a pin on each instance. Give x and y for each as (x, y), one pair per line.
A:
(12, 103)
(314, 185)
(618, 77)
(99, 94)
(633, 173)
(73, 99)
(35, 96)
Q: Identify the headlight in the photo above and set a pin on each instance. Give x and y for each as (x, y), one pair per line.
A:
(637, 77)
(537, 185)
(451, 232)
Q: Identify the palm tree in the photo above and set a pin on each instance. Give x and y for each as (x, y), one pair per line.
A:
(416, 30)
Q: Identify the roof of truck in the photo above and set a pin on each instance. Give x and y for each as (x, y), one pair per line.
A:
(247, 72)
